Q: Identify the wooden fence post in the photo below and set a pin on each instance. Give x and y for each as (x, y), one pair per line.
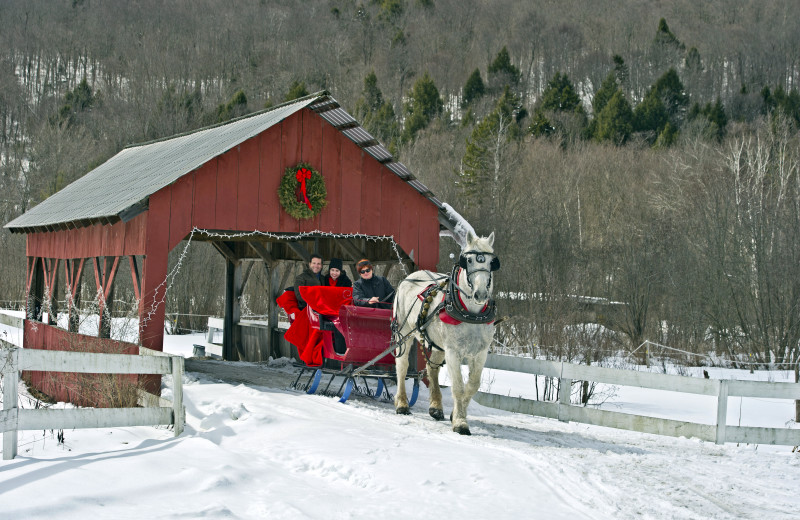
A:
(177, 394)
(10, 383)
(722, 411)
(564, 391)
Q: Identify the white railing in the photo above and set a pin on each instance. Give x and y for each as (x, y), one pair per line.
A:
(11, 321)
(156, 410)
(719, 432)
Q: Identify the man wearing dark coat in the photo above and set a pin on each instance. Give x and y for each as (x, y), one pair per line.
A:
(371, 290)
(311, 275)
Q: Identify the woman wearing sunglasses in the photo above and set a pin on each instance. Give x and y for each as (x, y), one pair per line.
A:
(371, 290)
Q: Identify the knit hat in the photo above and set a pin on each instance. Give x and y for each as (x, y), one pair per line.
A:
(363, 263)
(336, 263)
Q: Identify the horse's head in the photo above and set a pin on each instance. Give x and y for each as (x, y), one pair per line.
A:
(478, 260)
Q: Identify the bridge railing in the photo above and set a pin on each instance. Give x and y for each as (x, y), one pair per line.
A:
(719, 432)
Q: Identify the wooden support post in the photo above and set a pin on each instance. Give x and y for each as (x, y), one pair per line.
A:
(33, 310)
(51, 286)
(73, 269)
(231, 337)
(8, 362)
(135, 277)
(722, 411)
(301, 251)
(104, 277)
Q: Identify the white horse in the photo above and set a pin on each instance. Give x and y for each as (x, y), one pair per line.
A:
(463, 331)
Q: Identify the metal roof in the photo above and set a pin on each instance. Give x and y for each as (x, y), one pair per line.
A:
(119, 189)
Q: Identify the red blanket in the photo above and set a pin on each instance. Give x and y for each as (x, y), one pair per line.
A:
(327, 300)
(300, 334)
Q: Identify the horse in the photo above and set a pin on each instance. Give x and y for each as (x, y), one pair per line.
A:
(454, 316)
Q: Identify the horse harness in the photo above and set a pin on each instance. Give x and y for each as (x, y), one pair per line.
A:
(452, 305)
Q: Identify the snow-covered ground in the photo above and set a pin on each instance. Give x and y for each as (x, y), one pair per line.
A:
(262, 451)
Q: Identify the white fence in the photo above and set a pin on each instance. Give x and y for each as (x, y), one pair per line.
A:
(155, 411)
(563, 410)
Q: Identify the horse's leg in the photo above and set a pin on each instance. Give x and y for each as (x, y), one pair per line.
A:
(474, 380)
(434, 364)
(401, 367)
(459, 416)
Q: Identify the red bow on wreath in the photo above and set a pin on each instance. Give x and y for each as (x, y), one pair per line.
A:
(302, 175)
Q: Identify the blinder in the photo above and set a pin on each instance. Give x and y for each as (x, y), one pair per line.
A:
(480, 257)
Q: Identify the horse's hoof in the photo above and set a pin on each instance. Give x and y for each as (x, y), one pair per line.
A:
(436, 413)
(403, 410)
(461, 430)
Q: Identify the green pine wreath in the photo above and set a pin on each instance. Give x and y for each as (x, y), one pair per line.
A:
(291, 197)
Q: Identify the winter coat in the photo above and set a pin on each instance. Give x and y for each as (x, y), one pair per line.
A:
(342, 281)
(306, 278)
(378, 286)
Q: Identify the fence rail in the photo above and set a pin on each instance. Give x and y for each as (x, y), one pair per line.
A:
(11, 321)
(156, 411)
(563, 410)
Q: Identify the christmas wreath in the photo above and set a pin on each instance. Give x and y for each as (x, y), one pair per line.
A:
(302, 191)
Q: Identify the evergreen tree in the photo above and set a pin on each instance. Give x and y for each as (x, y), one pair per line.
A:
(670, 90)
(296, 90)
(473, 89)
(650, 116)
(665, 37)
(606, 91)
(81, 99)
(615, 120)
(665, 102)
(423, 105)
(560, 95)
(376, 115)
(371, 95)
(487, 147)
(621, 70)
(236, 107)
(713, 119)
(693, 62)
(502, 72)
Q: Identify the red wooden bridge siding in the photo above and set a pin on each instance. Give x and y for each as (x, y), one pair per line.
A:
(238, 191)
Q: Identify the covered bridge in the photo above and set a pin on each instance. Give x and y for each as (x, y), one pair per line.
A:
(140, 204)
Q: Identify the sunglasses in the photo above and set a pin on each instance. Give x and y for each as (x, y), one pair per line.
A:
(365, 270)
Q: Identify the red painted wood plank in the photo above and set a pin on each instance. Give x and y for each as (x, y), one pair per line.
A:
(205, 195)
(270, 173)
(391, 204)
(409, 221)
(227, 190)
(331, 170)
(95, 239)
(181, 202)
(371, 196)
(290, 156)
(151, 307)
(134, 235)
(249, 175)
(311, 148)
(428, 237)
(351, 188)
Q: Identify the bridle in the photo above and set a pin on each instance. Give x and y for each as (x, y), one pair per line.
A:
(480, 258)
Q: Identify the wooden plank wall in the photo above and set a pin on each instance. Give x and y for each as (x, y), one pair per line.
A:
(68, 387)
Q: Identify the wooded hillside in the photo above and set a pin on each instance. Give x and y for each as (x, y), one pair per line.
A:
(641, 151)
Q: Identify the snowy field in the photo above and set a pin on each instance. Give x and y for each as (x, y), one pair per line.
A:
(262, 451)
